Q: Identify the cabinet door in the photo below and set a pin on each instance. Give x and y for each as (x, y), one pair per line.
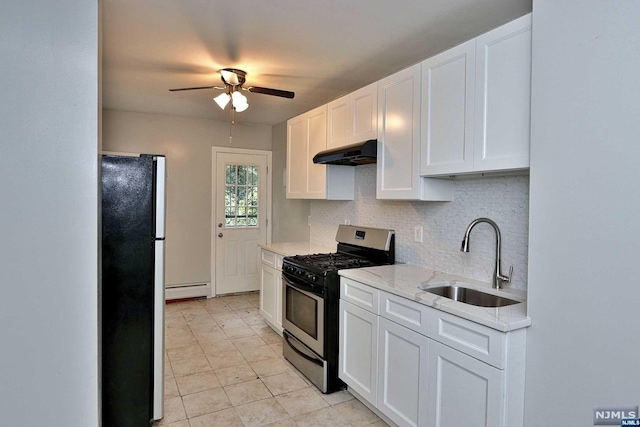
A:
(357, 363)
(398, 166)
(317, 141)
(503, 97)
(447, 111)
(462, 391)
(306, 137)
(337, 119)
(402, 374)
(268, 293)
(363, 114)
(279, 302)
(297, 129)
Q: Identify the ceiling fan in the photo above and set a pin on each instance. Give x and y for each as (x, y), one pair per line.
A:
(233, 80)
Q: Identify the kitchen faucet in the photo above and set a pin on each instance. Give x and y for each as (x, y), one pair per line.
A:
(498, 278)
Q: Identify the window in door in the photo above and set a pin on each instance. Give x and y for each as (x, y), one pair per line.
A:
(241, 196)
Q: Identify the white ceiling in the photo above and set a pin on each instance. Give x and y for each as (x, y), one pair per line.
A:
(318, 49)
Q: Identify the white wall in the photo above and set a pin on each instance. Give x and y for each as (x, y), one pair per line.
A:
(187, 144)
(583, 347)
(49, 213)
(503, 199)
(290, 216)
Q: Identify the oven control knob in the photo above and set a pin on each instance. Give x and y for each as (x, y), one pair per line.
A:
(300, 273)
(312, 277)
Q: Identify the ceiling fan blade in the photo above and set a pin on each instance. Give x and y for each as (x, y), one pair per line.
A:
(274, 92)
(194, 88)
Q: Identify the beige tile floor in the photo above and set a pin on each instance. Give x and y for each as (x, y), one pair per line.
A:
(224, 367)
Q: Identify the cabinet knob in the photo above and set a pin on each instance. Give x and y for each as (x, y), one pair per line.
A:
(219, 225)
(220, 234)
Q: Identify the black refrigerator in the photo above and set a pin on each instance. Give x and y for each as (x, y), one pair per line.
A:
(132, 293)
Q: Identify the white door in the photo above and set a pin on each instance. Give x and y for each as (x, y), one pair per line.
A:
(503, 95)
(358, 361)
(268, 294)
(240, 206)
(447, 111)
(402, 374)
(399, 136)
(479, 402)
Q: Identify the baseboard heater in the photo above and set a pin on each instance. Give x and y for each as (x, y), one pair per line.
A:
(187, 290)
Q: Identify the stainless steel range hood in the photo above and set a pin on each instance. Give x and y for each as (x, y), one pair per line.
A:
(350, 155)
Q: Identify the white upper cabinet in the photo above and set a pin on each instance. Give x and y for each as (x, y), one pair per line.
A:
(447, 110)
(363, 114)
(476, 104)
(352, 118)
(503, 97)
(297, 161)
(398, 166)
(306, 137)
(337, 117)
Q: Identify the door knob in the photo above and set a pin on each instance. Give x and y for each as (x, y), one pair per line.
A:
(219, 225)
(220, 234)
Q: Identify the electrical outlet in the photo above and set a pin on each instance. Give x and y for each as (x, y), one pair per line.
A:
(417, 234)
(309, 220)
(347, 222)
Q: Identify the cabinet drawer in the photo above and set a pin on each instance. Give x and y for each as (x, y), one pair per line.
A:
(485, 344)
(359, 294)
(278, 265)
(269, 258)
(405, 312)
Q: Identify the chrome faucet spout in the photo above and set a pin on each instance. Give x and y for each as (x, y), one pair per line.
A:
(498, 278)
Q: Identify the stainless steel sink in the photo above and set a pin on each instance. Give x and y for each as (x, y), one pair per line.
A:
(470, 296)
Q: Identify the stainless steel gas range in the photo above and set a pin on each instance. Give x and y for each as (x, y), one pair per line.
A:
(311, 296)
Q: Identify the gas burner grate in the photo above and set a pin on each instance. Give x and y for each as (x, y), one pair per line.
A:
(333, 261)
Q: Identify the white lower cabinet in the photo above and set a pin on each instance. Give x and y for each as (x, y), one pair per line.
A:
(463, 391)
(268, 301)
(402, 374)
(399, 356)
(271, 289)
(358, 360)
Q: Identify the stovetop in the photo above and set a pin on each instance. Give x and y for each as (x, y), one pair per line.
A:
(332, 261)
(357, 247)
(321, 270)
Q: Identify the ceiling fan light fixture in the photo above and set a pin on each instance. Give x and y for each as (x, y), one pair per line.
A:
(239, 101)
(238, 98)
(222, 100)
(241, 107)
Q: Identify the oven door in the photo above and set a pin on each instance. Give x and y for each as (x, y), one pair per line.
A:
(303, 315)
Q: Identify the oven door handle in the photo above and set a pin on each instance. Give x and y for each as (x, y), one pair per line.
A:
(314, 360)
(299, 284)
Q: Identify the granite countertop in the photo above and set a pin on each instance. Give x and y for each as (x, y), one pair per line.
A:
(297, 248)
(403, 280)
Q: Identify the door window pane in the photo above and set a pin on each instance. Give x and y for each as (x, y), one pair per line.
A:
(231, 174)
(241, 198)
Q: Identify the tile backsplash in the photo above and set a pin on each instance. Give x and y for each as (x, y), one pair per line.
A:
(502, 199)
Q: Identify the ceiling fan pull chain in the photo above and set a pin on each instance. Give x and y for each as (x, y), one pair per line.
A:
(232, 122)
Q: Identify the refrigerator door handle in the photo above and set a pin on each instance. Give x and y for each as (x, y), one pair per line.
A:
(158, 332)
(161, 173)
